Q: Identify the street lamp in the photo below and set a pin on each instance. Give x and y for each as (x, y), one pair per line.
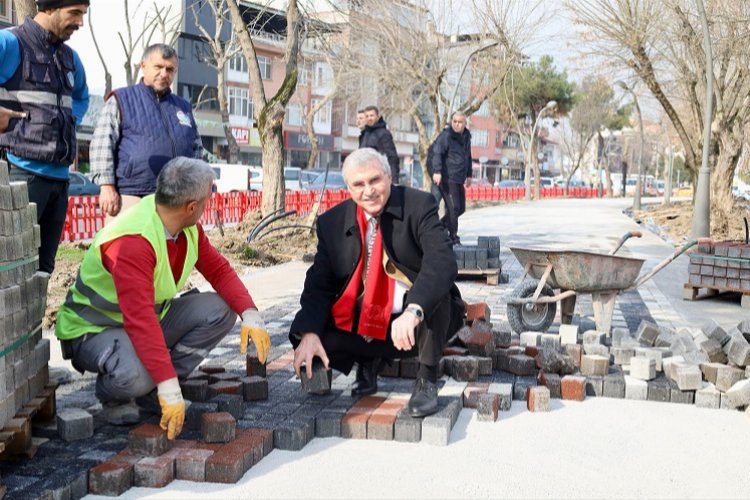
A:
(527, 170)
(637, 198)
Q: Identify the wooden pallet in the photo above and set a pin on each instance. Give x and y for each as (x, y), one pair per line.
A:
(693, 292)
(16, 440)
(492, 275)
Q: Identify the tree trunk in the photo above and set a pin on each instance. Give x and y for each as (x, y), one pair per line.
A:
(313, 143)
(272, 147)
(24, 9)
(232, 146)
(730, 150)
(535, 165)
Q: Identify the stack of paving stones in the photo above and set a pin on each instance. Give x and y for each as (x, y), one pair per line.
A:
(484, 255)
(721, 265)
(23, 353)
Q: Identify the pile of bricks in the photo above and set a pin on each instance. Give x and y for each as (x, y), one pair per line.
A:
(722, 266)
(484, 255)
(211, 381)
(223, 455)
(24, 354)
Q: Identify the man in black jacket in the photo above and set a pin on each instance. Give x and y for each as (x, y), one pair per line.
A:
(381, 286)
(376, 136)
(451, 167)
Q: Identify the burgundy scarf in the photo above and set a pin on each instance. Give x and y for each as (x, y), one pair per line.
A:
(377, 302)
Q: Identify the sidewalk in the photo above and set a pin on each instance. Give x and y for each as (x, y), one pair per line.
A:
(598, 448)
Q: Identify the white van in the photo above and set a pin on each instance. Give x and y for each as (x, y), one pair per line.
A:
(233, 178)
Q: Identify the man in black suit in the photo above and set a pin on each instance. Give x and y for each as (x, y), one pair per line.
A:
(376, 135)
(381, 286)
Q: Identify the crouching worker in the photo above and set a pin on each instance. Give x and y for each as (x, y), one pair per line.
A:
(381, 286)
(122, 320)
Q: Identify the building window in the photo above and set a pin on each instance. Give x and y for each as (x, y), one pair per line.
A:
(510, 141)
(239, 102)
(479, 138)
(238, 63)
(301, 75)
(322, 75)
(200, 98)
(484, 109)
(295, 115)
(323, 116)
(265, 67)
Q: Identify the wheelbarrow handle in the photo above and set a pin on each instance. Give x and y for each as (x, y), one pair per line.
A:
(625, 237)
(666, 261)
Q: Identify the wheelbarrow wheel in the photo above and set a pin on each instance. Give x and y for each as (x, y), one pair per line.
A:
(531, 317)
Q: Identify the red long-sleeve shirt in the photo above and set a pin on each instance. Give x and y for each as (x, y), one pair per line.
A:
(131, 260)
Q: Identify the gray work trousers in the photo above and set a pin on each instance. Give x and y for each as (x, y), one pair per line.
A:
(194, 324)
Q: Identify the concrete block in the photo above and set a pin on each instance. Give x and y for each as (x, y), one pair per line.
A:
(635, 388)
(464, 369)
(574, 351)
(550, 342)
(294, 433)
(408, 367)
(488, 407)
(537, 399)
(254, 388)
(568, 334)
(74, 424)
(472, 393)
(613, 386)
(726, 377)
(596, 349)
(320, 382)
(739, 394)
(226, 387)
(505, 393)
(713, 330)
(531, 338)
(679, 396)
(503, 338)
(436, 428)
(688, 377)
(594, 337)
(254, 367)
(519, 364)
(110, 479)
(328, 423)
(230, 404)
(381, 423)
(594, 385)
(669, 362)
(708, 397)
(222, 377)
(695, 357)
(594, 365)
(148, 440)
(481, 343)
(573, 387)
(618, 334)
(194, 414)
(655, 353)
(622, 355)
(478, 311)
(407, 429)
(485, 366)
(739, 352)
(659, 390)
(190, 463)
(647, 333)
(154, 472)
(642, 368)
(225, 467)
(552, 382)
(522, 383)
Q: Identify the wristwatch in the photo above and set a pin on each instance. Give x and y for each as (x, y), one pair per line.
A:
(416, 311)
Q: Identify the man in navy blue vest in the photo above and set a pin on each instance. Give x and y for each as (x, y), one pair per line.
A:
(139, 131)
(43, 95)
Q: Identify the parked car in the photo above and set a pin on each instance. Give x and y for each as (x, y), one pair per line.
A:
(335, 181)
(232, 178)
(292, 178)
(509, 183)
(544, 182)
(475, 181)
(80, 185)
(307, 176)
(573, 183)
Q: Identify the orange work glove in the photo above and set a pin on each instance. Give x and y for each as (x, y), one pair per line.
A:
(253, 327)
(172, 407)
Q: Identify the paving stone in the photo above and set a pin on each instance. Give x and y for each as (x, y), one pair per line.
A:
(656, 353)
(573, 387)
(708, 397)
(642, 368)
(224, 467)
(254, 388)
(74, 424)
(321, 378)
(190, 463)
(254, 367)
(739, 352)
(294, 433)
(328, 423)
(537, 399)
(226, 387)
(618, 334)
(635, 388)
(726, 377)
(408, 367)
(222, 377)
(677, 395)
(481, 343)
(478, 311)
(154, 472)
(594, 365)
(552, 382)
(712, 349)
(473, 392)
(503, 337)
(488, 407)
(354, 422)
(659, 390)
(505, 392)
(550, 342)
(381, 423)
(110, 479)
(574, 351)
(195, 390)
(568, 334)
(209, 369)
(231, 404)
(465, 369)
(519, 364)
(485, 366)
(148, 440)
(218, 427)
(739, 394)
(688, 377)
(194, 414)
(521, 385)
(531, 338)
(669, 363)
(436, 428)
(647, 333)
(390, 369)
(594, 385)
(613, 386)
(593, 337)
(622, 355)
(712, 330)
(407, 429)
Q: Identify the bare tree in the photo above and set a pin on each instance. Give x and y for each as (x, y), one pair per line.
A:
(269, 113)
(221, 52)
(592, 107)
(24, 9)
(660, 41)
(107, 74)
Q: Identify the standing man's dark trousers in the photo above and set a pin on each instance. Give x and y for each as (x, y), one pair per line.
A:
(345, 348)
(454, 195)
(51, 198)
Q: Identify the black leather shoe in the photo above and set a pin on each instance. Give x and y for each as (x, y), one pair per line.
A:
(424, 398)
(367, 377)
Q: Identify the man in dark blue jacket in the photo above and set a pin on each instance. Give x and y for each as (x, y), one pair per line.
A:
(451, 167)
(43, 95)
(139, 131)
(376, 135)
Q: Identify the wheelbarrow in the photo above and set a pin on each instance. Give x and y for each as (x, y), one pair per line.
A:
(533, 302)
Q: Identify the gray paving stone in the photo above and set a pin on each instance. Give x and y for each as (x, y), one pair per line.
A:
(74, 424)
(505, 391)
(613, 386)
(708, 397)
(594, 385)
(407, 429)
(328, 423)
(677, 395)
(659, 390)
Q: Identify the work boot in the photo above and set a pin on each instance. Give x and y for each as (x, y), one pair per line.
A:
(120, 412)
(424, 398)
(367, 377)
